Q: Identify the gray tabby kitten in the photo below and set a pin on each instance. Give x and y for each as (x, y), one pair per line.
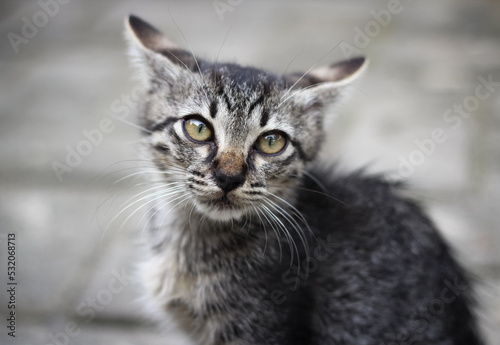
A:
(251, 244)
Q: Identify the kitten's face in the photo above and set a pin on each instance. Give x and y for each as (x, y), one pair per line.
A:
(234, 144)
(234, 139)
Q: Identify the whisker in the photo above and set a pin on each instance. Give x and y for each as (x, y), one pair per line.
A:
(244, 224)
(290, 219)
(302, 90)
(309, 70)
(223, 42)
(183, 198)
(312, 191)
(285, 232)
(132, 124)
(296, 212)
(265, 230)
(146, 203)
(291, 87)
(291, 61)
(149, 189)
(190, 215)
(162, 194)
(294, 225)
(276, 232)
(137, 141)
(100, 178)
(312, 177)
(158, 209)
(114, 197)
(192, 53)
(145, 172)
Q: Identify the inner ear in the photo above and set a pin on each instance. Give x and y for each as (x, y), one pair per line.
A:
(322, 86)
(340, 73)
(150, 40)
(148, 36)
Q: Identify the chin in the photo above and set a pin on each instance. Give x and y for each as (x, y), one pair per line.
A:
(222, 210)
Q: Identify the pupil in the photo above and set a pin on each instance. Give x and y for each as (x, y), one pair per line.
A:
(200, 128)
(270, 141)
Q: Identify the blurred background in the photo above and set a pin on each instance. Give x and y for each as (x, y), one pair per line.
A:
(427, 111)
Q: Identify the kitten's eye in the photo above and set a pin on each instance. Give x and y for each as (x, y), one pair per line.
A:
(197, 130)
(271, 143)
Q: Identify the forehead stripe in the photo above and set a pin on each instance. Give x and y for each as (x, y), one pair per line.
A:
(254, 104)
(264, 117)
(213, 108)
(226, 100)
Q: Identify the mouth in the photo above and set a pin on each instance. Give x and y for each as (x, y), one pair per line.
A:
(223, 202)
(221, 208)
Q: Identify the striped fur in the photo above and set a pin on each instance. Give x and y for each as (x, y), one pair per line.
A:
(250, 248)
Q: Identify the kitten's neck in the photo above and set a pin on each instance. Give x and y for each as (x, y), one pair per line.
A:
(198, 266)
(201, 244)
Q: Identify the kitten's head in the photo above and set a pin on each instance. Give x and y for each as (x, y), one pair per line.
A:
(234, 139)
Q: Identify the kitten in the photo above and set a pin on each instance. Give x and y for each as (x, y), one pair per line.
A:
(251, 243)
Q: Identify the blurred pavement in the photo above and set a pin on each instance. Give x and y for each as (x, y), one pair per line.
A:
(70, 76)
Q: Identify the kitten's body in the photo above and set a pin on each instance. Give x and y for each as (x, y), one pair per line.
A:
(378, 273)
(261, 252)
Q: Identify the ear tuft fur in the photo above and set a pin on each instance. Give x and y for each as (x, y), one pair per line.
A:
(155, 56)
(321, 86)
(147, 35)
(343, 72)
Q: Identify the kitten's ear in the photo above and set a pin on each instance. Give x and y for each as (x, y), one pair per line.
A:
(154, 53)
(146, 35)
(310, 94)
(322, 85)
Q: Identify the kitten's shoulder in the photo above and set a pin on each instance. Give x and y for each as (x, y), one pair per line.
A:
(383, 244)
(358, 188)
(366, 204)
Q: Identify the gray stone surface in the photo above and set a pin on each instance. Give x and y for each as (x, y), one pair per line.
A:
(65, 80)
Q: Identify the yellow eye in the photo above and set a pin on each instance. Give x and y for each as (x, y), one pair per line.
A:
(271, 143)
(197, 130)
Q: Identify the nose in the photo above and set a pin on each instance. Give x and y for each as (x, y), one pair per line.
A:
(229, 170)
(228, 182)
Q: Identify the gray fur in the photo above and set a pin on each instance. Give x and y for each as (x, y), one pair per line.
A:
(277, 259)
